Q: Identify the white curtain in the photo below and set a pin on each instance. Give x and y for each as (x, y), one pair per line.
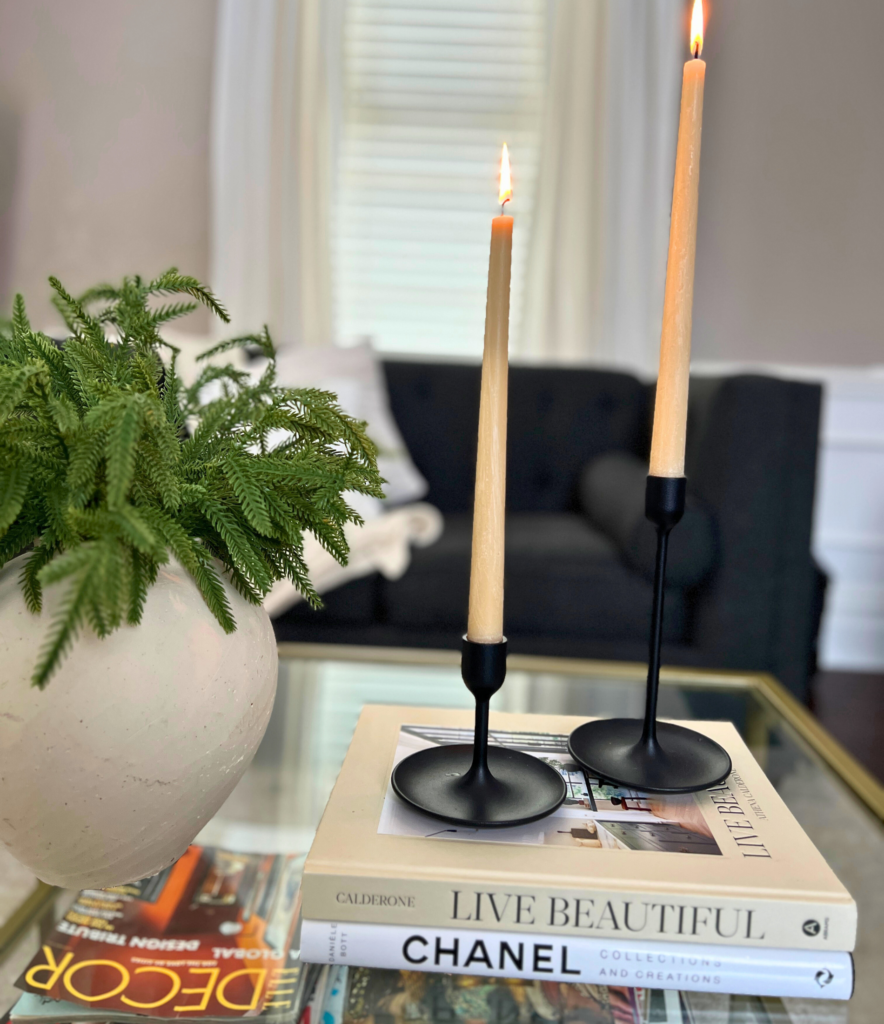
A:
(597, 264)
(277, 66)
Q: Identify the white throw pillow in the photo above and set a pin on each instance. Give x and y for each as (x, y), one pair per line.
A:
(356, 377)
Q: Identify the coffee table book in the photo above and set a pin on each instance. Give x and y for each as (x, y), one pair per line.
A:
(632, 963)
(729, 866)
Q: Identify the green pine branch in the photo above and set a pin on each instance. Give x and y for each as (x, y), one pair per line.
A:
(101, 484)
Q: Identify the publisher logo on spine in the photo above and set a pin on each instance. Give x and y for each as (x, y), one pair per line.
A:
(811, 927)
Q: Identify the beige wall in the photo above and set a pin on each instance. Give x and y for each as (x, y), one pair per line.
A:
(790, 260)
(104, 136)
(104, 123)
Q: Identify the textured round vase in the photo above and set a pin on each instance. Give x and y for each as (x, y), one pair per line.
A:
(108, 773)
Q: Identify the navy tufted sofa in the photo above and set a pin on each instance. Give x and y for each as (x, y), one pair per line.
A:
(751, 461)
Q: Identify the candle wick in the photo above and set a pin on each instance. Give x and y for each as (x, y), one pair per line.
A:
(696, 51)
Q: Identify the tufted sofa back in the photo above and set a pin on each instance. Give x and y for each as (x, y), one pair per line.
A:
(559, 419)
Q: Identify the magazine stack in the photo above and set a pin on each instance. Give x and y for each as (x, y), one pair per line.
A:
(211, 937)
(214, 938)
(717, 895)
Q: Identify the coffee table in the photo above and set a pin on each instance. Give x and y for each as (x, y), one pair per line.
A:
(322, 688)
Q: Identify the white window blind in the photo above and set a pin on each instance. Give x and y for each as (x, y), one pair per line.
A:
(432, 90)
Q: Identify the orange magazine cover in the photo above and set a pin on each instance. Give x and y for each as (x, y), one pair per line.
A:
(210, 936)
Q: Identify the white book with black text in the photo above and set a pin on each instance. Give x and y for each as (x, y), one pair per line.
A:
(690, 967)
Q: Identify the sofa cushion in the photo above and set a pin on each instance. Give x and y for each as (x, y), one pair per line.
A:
(558, 420)
(435, 590)
(562, 578)
(612, 492)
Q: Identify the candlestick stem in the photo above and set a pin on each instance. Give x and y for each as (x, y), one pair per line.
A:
(664, 506)
(649, 731)
(479, 767)
(478, 785)
(652, 756)
(483, 668)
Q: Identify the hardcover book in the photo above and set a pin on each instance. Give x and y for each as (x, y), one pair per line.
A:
(727, 866)
(637, 963)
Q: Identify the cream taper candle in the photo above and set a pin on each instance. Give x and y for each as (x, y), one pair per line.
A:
(671, 406)
(485, 623)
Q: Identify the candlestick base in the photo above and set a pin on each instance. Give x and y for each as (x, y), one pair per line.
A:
(474, 784)
(516, 790)
(677, 760)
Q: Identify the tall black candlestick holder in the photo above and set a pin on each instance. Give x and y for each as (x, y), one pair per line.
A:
(474, 784)
(648, 755)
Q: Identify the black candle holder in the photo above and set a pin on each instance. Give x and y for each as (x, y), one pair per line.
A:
(656, 757)
(474, 784)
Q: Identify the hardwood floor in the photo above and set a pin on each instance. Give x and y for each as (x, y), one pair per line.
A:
(851, 706)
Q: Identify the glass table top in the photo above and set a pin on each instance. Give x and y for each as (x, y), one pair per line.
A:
(322, 689)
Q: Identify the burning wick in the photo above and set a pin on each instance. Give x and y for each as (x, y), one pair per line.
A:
(697, 29)
(505, 192)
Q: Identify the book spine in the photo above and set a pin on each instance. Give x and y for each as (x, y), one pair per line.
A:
(689, 967)
(595, 913)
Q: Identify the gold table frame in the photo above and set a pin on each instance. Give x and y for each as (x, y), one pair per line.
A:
(774, 702)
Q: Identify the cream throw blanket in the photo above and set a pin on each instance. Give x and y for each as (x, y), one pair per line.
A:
(382, 544)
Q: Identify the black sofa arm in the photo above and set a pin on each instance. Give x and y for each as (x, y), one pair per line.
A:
(752, 458)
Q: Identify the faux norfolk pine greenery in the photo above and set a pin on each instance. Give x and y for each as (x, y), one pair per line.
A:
(110, 465)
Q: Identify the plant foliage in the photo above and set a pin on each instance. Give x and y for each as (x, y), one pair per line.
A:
(110, 465)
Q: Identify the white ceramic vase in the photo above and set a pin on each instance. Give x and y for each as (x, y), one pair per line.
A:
(108, 773)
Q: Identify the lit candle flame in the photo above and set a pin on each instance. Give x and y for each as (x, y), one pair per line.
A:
(697, 28)
(505, 193)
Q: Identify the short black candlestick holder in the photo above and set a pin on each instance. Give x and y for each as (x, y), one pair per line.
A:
(648, 755)
(473, 784)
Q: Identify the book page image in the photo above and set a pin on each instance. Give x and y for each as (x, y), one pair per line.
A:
(594, 815)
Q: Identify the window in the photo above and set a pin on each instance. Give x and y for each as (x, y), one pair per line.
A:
(431, 92)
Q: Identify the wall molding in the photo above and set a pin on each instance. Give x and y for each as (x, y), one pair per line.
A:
(850, 541)
(847, 442)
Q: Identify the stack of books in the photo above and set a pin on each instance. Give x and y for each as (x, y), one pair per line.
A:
(714, 893)
(620, 908)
